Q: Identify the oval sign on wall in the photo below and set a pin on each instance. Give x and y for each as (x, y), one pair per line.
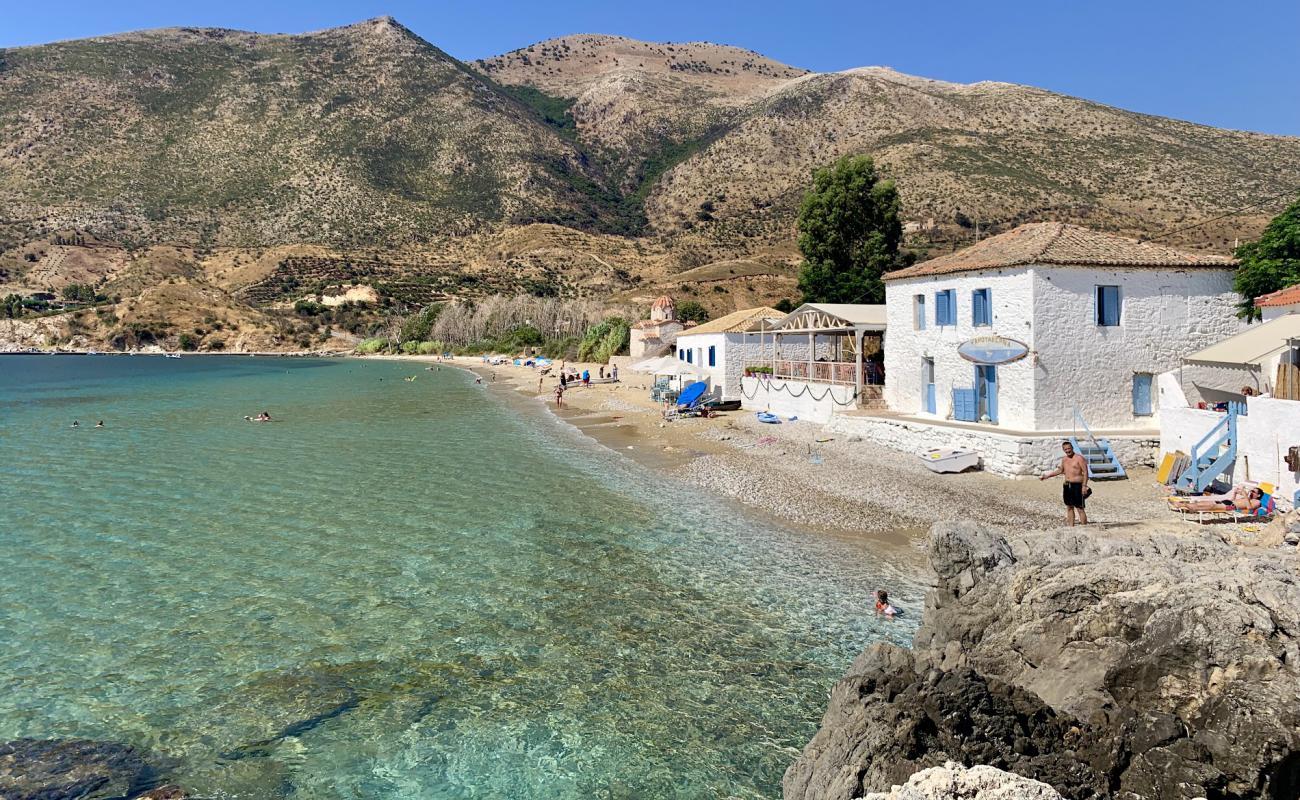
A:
(992, 350)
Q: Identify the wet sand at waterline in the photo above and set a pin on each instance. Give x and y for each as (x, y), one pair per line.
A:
(838, 486)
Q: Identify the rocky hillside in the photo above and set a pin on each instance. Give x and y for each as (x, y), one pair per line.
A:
(582, 165)
(362, 134)
(736, 136)
(1109, 664)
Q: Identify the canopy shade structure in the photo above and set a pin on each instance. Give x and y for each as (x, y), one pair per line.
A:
(830, 318)
(1253, 347)
(663, 365)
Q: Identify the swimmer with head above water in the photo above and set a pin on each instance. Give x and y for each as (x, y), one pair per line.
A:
(99, 424)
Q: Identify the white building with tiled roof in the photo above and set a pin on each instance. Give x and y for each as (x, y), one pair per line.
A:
(1279, 303)
(655, 336)
(1030, 334)
(719, 348)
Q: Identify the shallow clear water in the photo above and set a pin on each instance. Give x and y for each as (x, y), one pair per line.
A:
(396, 590)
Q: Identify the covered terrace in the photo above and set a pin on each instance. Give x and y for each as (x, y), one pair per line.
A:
(833, 343)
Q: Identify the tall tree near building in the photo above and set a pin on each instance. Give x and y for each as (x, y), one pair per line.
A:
(1270, 263)
(849, 233)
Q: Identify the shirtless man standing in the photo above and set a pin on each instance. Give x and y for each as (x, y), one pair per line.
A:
(1075, 469)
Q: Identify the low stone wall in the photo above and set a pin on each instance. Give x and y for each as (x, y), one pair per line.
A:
(1003, 454)
(815, 402)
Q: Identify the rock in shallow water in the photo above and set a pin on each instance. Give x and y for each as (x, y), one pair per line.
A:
(1107, 664)
(70, 769)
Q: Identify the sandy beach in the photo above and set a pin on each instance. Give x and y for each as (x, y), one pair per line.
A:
(805, 477)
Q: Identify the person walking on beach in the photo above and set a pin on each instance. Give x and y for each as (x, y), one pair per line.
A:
(559, 395)
(586, 377)
(1075, 491)
(614, 372)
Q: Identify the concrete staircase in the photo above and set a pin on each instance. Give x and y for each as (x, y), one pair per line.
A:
(1102, 462)
(872, 398)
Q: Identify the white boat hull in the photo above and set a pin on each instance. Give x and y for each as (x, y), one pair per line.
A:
(950, 460)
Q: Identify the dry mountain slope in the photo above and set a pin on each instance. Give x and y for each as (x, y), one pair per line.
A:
(641, 106)
(741, 148)
(361, 134)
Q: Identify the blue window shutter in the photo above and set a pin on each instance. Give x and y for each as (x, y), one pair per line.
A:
(979, 301)
(1142, 394)
(939, 308)
(1108, 306)
(952, 307)
(713, 359)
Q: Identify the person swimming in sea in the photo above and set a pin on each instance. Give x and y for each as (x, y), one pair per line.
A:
(99, 424)
(882, 604)
(76, 424)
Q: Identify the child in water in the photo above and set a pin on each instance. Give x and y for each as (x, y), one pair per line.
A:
(882, 603)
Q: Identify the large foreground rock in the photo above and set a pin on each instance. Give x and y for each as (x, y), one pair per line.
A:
(952, 781)
(1105, 663)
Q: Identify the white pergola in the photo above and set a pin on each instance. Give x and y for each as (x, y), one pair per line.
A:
(835, 321)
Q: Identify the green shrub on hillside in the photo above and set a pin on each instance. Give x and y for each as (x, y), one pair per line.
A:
(371, 346)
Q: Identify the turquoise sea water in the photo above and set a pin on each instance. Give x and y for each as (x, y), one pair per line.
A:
(396, 590)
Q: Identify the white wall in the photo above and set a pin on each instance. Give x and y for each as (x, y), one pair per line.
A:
(733, 350)
(1269, 428)
(1003, 454)
(1165, 315)
(905, 346)
(815, 402)
(1273, 312)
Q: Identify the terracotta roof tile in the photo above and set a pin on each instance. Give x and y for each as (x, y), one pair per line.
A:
(1283, 297)
(1057, 243)
(735, 321)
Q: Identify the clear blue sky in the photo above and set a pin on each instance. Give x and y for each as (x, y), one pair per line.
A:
(1231, 63)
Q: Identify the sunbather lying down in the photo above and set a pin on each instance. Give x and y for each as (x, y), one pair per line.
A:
(1241, 499)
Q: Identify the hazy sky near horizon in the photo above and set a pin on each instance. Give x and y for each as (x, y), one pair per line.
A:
(1232, 64)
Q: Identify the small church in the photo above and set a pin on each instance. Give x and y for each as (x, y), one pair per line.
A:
(655, 336)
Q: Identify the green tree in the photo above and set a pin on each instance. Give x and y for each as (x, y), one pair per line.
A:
(691, 311)
(849, 233)
(11, 306)
(1270, 263)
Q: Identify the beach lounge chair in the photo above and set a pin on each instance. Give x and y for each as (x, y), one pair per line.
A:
(1267, 506)
(690, 401)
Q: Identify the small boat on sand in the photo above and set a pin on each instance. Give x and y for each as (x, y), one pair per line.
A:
(950, 460)
(769, 418)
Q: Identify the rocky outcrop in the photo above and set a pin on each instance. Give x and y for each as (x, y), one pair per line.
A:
(952, 781)
(1118, 664)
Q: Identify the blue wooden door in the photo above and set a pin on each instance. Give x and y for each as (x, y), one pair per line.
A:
(927, 385)
(1142, 406)
(986, 392)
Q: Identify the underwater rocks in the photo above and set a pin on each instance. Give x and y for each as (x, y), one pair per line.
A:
(71, 769)
(1107, 664)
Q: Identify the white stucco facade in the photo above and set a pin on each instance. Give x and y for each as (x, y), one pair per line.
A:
(731, 351)
(811, 402)
(1165, 313)
(1268, 430)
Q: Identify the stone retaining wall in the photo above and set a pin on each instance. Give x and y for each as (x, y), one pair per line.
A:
(1003, 454)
